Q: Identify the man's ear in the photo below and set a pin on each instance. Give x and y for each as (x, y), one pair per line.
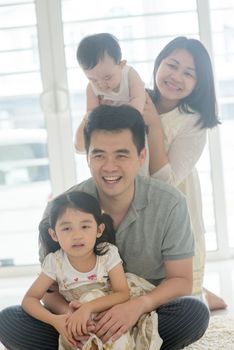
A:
(52, 234)
(142, 156)
(122, 63)
(100, 230)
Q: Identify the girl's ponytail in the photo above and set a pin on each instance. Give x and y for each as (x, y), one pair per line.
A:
(46, 243)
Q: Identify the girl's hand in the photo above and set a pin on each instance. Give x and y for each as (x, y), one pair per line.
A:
(77, 322)
(59, 323)
(150, 113)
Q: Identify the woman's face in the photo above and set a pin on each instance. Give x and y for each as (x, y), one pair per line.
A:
(176, 76)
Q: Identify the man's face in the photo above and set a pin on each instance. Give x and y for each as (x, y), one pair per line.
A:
(114, 163)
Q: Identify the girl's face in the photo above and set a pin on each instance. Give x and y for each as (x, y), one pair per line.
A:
(76, 232)
(176, 77)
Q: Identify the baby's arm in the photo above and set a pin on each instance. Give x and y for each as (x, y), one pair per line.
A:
(120, 293)
(32, 305)
(136, 90)
(91, 103)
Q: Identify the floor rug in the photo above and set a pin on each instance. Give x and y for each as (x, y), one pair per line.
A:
(219, 335)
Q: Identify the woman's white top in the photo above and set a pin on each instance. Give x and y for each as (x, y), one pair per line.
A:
(184, 142)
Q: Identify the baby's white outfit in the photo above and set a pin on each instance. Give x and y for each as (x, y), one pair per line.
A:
(120, 97)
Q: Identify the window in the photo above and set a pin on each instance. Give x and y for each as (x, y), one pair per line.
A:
(42, 99)
(24, 169)
(223, 46)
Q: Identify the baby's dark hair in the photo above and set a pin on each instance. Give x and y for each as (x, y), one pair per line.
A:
(80, 201)
(92, 49)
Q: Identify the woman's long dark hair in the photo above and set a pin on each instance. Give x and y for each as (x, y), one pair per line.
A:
(202, 99)
(80, 201)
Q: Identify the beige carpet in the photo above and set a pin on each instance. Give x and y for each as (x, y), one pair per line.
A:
(219, 335)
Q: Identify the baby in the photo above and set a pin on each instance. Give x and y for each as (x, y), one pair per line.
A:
(111, 80)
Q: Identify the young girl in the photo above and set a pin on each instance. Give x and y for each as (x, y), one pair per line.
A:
(111, 80)
(181, 109)
(87, 269)
(76, 259)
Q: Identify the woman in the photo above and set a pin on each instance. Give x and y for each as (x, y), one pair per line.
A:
(178, 111)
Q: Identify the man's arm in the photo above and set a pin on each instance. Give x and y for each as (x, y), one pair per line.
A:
(120, 318)
(178, 282)
(55, 302)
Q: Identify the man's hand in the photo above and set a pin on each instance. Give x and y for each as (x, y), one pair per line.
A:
(114, 322)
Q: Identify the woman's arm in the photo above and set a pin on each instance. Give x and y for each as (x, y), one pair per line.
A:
(136, 90)
(157, 153)
(91, 102)
(120, 293)
(184, 152)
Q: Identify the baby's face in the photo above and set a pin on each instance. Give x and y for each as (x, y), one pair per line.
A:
(106, 75)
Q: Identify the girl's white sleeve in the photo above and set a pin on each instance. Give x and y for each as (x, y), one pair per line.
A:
(113, 258)
(183, 153)
(49, 266)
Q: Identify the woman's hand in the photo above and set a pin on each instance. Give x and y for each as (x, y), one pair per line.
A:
(116, 321)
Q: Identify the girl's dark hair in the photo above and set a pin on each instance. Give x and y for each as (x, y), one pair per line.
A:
(80, 201)
(92, 49)
(202, 99)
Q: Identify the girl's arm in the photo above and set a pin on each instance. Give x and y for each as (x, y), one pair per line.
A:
(91, 102)
(136, 90)
(120, 293)
(184, 152)
(32, 305)
(31, 301)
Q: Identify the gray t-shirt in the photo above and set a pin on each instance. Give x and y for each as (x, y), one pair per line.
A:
(156, 228)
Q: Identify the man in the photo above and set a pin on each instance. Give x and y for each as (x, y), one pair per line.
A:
(152, 233)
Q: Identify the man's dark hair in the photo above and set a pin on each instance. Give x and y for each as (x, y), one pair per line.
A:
(92, 49)
(116, 118)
